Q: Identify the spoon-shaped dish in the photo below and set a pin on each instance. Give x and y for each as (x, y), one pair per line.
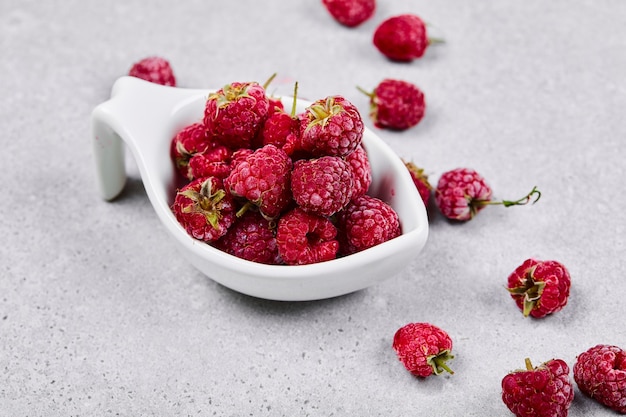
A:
(144, 117)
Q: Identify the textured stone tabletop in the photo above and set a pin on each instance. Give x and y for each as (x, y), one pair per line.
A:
(99, 314)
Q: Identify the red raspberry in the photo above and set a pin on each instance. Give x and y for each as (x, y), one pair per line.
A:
(251, 238)
(263, 179)
(402, 38)
(544, 391)
(154, 69)
(214, 162)
(360, 164)
(350, 13)
(423, 349)
(305, 238)
(365, 222)
(322, 186)
(600, 373)
(282, 129)
(420, 180)
(234, 114)
(331, 126)
(539, 288)
(189, 141)
(396, 104)
(463, 192)
(204, 209)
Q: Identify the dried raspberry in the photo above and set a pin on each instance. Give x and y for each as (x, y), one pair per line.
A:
(420, 180)
(331, 126)
(423, 349)
(402, 38)
(322, 186)
(234, 114)
(251, 238)
(542, 391)
(204, 209)
(189, 141)
(154, 69)
(539, 288)
(263, 179)
(305, 238)
(362, 171)
(463, 192)
(366, 222)
(350, 13)
(396, 104)
(600, 373)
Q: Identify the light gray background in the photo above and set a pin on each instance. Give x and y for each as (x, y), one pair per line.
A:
(100, 316)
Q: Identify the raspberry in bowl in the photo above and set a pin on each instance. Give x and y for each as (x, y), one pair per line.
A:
(144, 117)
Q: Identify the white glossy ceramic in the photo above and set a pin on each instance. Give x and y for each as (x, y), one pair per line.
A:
(144, 117)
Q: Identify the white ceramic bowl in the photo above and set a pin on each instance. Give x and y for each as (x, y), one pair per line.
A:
(144, 117)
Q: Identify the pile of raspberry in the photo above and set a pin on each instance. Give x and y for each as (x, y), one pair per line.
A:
(278, 187)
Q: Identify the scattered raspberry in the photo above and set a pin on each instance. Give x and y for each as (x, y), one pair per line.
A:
(360, 164)
(365, 222)
(423, 348)
(263, 179)
(251, 238)
(463, 192)
(204, 209)
(331, 126)
(189, 141)
(544, 391)
(322, 186)
(154, 69)
(402, 38)
(350, 13)
(420, 180)
(396, 104)
(305, 238)
(539, 288)
(600, 373)
(234, 114)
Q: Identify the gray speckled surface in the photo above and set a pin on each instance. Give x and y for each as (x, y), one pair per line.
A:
(100, 316)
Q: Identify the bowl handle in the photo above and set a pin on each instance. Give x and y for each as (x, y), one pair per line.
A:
(108, 150)
(121, 121)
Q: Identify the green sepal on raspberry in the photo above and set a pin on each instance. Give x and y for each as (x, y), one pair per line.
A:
(539, 288)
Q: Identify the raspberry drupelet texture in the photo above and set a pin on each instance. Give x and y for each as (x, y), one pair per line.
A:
(423, 349)
(331, 126)
(263, 178)
(402, 37)
(540, 288)
(396, 104)
(362, 170)
(350, 13)
(189, 141)
(366, 222)
(461, 194)
(234, 114)
(214, 162)
(204, 209)
(600, 373)
(322, 186)
(154, 69)
(305, 238)
(252, 238)
(544, 391)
